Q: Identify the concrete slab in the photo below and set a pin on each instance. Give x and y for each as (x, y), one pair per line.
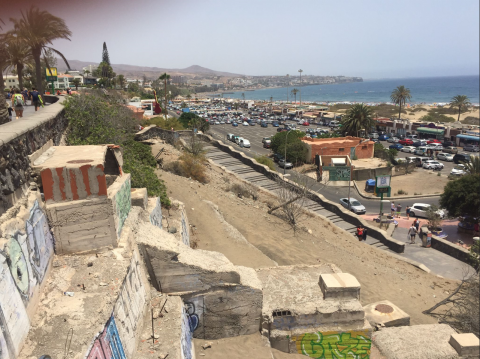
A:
(467, 345)
(339, 286)
(429, 341)
(139, 197)
(386, 313)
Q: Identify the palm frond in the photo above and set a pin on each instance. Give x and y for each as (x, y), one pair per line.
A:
(59, 54)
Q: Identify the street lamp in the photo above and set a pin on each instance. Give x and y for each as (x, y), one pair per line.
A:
(300, 86)
(350, 179)
(285, 158)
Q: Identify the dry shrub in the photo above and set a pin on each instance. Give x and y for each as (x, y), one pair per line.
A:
(190, 166)
(243, 190)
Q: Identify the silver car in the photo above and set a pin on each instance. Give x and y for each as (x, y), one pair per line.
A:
(355, 206)
(285, 164)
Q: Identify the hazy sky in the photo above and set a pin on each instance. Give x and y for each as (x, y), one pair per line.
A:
(370, 38)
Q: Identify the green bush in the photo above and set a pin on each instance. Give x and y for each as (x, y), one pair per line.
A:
(168, 124)
(436, 117)
(471, 120)
(267, 161)
(296, 149)
(96, 119)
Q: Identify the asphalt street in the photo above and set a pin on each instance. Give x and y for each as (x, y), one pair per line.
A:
(256, 133)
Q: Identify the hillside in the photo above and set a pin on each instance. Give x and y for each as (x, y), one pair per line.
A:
(133, 70)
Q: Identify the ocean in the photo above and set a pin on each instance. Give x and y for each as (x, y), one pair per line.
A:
(437, 90)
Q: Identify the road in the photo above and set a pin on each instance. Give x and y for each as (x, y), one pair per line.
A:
(255, 134)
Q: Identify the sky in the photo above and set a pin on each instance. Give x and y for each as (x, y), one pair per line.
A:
(369, 38)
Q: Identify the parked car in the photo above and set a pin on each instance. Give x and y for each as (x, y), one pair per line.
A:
(435, 146)
(383, 137)
(230, 136)
(263, 124)
(432, 165)
(393, 139)
(244, 143)
(265, 139)
(234, 124)
(458, 170)
(448, 143)
(420, 151)
(277, 157)
(461, 158)
(445, 156)
(420, 210)
(267, 144)
(275, 124)
(406, 142)
(419, 143)
(355, 206)
(433, 140)
(408, 149)
(285, 164)
(471, 148)
(412, 137)
(396, 146)
(450, 149)
(246, 124)
(238, 139)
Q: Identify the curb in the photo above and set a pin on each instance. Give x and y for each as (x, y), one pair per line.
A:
(389, 198)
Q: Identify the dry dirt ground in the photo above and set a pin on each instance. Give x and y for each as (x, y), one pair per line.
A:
(247, 235)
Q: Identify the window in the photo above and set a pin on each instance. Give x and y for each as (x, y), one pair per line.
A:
(281, 313)
(341, 149)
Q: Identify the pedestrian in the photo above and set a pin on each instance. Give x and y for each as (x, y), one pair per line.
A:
(35, 100)
(392, 208)
(18, 101)
(399, 210)
(10, 112)
(407, 212)
(416, 224)
(412, 232)
(359, 233)
(25, 95)
(364, 234)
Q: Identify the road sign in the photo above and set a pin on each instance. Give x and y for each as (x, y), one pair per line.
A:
(383, 181)
(382, 190)
(51, 74)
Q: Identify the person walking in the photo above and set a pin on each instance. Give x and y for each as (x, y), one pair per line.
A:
(412, 232)
(364, 235)
(407, 212)
(359, 233)
(416, 224)
(25, 95)
(399, 210)
(35, 100)
(392, 209)
(18, 101)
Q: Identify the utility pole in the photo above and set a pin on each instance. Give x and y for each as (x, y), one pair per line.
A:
(285, 158)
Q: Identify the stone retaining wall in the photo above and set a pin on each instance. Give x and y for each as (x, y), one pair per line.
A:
(21, 138)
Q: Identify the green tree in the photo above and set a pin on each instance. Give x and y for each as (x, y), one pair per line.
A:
(105, 56)
(18, 56)
(399, 97)
(76, 82)
(461, 197)
(294, 93)
(121, 81)
(296, 149)
(358, 117)
(460, 101)
(105, 72)
(165, 77)
(473, 167)
(38, 29)
(191, 120)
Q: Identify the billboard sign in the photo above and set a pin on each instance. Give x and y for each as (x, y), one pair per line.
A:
(383, 181)
(51, 74)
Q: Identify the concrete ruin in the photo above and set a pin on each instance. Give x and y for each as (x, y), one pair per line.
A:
(386, 314)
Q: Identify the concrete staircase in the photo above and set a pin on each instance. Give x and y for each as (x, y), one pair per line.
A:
(249, 174)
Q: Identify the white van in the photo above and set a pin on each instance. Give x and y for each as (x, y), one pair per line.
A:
(333, 124)
(421, 150)
(244, 143)
(412, 137)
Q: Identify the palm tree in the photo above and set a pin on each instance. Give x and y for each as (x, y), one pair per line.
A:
(399, 96)
(121, 81)
(473, 167)
(86, 72)
(460, 101)
(39, 29)
(18, 55)
(165, 77)
(359, 117)
(3, 62)
(294, 93)
(76, 82)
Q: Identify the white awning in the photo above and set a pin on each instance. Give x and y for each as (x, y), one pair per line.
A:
(339, 161)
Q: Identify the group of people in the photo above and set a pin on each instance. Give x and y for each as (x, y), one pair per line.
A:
(19, 101)
(397, 210)
(361, 233)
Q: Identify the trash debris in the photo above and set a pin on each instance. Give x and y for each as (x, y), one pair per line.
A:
(70, 294)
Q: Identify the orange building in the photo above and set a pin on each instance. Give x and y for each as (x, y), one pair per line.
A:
(350, 146)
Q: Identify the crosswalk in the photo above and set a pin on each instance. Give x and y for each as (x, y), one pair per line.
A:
(251, 175)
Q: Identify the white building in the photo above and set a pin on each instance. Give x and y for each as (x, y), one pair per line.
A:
(10, 81)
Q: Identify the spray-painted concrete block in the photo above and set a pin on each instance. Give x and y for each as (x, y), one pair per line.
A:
(139, 197)
(338, 286)
(386, 313)
(467, 345)
(72, 173)
(91, 224)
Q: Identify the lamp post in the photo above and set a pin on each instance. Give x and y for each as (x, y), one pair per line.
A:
(285, 158)
(300, 71)
(350, 179)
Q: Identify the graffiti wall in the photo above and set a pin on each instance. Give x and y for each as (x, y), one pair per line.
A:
(186, 338)
(26, 251)
(325, 345)
(185, 229)
(156, 214)
(122, 202)
(118, 338)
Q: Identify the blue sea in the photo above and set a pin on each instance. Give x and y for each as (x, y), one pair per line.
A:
(437, 90)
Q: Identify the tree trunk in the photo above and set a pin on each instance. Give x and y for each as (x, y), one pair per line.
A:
(400, 111)
(36, 52)
(3, 103)
(19, 67)
(459, 112)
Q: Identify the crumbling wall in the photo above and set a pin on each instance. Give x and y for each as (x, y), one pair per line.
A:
(26, 252)
(187, 336)
(119, 337)
(185, 228)
(156, 214)
(119, 193)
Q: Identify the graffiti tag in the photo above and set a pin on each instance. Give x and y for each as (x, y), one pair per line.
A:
(193, 319)
(334, 346)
